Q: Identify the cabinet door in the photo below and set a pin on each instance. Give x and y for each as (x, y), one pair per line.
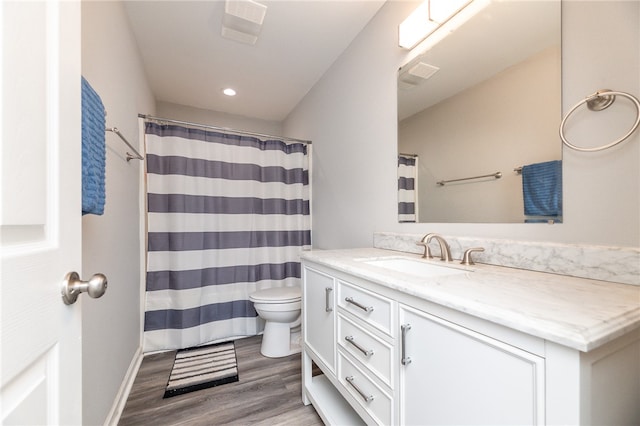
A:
(318, 309)
(457, 376)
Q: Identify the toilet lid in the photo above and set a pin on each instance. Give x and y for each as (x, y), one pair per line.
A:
(277, 295)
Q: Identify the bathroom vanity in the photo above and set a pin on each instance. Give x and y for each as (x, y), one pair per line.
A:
(402, 340)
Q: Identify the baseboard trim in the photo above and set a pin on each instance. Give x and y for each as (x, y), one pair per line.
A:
(125, 388)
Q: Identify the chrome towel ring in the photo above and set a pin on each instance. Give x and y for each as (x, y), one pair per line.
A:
(598, 101)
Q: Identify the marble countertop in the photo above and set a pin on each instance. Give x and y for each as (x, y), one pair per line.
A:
(579, 313)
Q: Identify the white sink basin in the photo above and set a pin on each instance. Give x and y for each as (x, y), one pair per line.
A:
(415, 267)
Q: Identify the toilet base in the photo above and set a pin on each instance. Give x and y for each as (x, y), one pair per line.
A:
(280, 340)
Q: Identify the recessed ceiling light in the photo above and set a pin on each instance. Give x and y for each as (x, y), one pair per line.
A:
(229, 92)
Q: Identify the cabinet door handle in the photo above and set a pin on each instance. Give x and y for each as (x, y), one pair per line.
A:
(405, 359)
(367, 398)
(366, 352)
(353, 302)
(327, 300)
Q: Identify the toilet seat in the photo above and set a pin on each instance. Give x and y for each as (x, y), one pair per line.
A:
(276, 295)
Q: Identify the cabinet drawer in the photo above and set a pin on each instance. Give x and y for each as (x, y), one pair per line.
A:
(373, 309)
(374, 400)
(373, 352)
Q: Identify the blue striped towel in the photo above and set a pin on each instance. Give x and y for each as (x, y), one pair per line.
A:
(93, 151)
(542, 188)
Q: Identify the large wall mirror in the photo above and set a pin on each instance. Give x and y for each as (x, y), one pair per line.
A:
(492, 107)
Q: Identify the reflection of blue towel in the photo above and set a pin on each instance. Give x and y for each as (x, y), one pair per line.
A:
(93, 151)
(542, 189)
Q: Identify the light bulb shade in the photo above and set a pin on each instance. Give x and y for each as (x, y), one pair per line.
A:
(426, 19)
(441, 10)
(416, 27)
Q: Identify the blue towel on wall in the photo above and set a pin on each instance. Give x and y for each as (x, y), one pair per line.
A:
(542, 189)
(93, 151)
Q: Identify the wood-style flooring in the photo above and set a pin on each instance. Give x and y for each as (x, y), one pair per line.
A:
(268, 393)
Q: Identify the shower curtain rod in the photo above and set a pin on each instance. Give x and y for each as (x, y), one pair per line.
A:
(223, 129)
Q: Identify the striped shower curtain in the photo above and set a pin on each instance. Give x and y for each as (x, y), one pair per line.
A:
(407, 188)
(227, 215)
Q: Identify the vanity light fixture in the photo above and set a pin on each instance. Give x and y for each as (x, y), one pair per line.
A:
(431, 16)
(243, 20)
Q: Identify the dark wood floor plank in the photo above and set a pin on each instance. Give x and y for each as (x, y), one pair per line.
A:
(267, 393)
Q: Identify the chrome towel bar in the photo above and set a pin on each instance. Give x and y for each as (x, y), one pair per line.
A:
(129, 155)
(496, 175)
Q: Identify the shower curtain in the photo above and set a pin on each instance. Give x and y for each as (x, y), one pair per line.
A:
(226, 215)
(407, 188)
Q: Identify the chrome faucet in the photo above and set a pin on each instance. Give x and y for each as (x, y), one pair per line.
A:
(445, 251)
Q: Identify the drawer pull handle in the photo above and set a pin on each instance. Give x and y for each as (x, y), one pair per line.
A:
(364, 351)
(353, 302)
(367, 398)
(327, 300)
(405, 359)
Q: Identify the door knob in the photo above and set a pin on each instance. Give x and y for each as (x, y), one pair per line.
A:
(73, 286)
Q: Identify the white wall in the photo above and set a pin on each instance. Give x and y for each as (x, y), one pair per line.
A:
(218, 119)
(111, 243)
(350, 116)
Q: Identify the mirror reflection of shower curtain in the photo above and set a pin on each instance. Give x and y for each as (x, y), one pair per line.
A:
(227, 215)
(407, 188)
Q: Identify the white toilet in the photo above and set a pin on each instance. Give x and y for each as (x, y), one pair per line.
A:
(280, 308)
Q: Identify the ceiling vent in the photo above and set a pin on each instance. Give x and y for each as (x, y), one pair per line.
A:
(423, 70)
(417, 73)
(243, 20)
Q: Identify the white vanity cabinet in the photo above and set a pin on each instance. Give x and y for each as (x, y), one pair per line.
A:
(391, 357)
(319, 319)
(451, 375)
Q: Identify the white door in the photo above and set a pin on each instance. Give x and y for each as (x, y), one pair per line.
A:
(40, 217)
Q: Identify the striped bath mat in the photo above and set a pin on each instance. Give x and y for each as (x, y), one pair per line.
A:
(202, 367)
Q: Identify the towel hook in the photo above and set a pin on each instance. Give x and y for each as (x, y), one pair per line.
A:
(600, 100)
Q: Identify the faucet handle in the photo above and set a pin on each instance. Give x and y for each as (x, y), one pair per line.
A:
(427, 251)
(466, 258)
